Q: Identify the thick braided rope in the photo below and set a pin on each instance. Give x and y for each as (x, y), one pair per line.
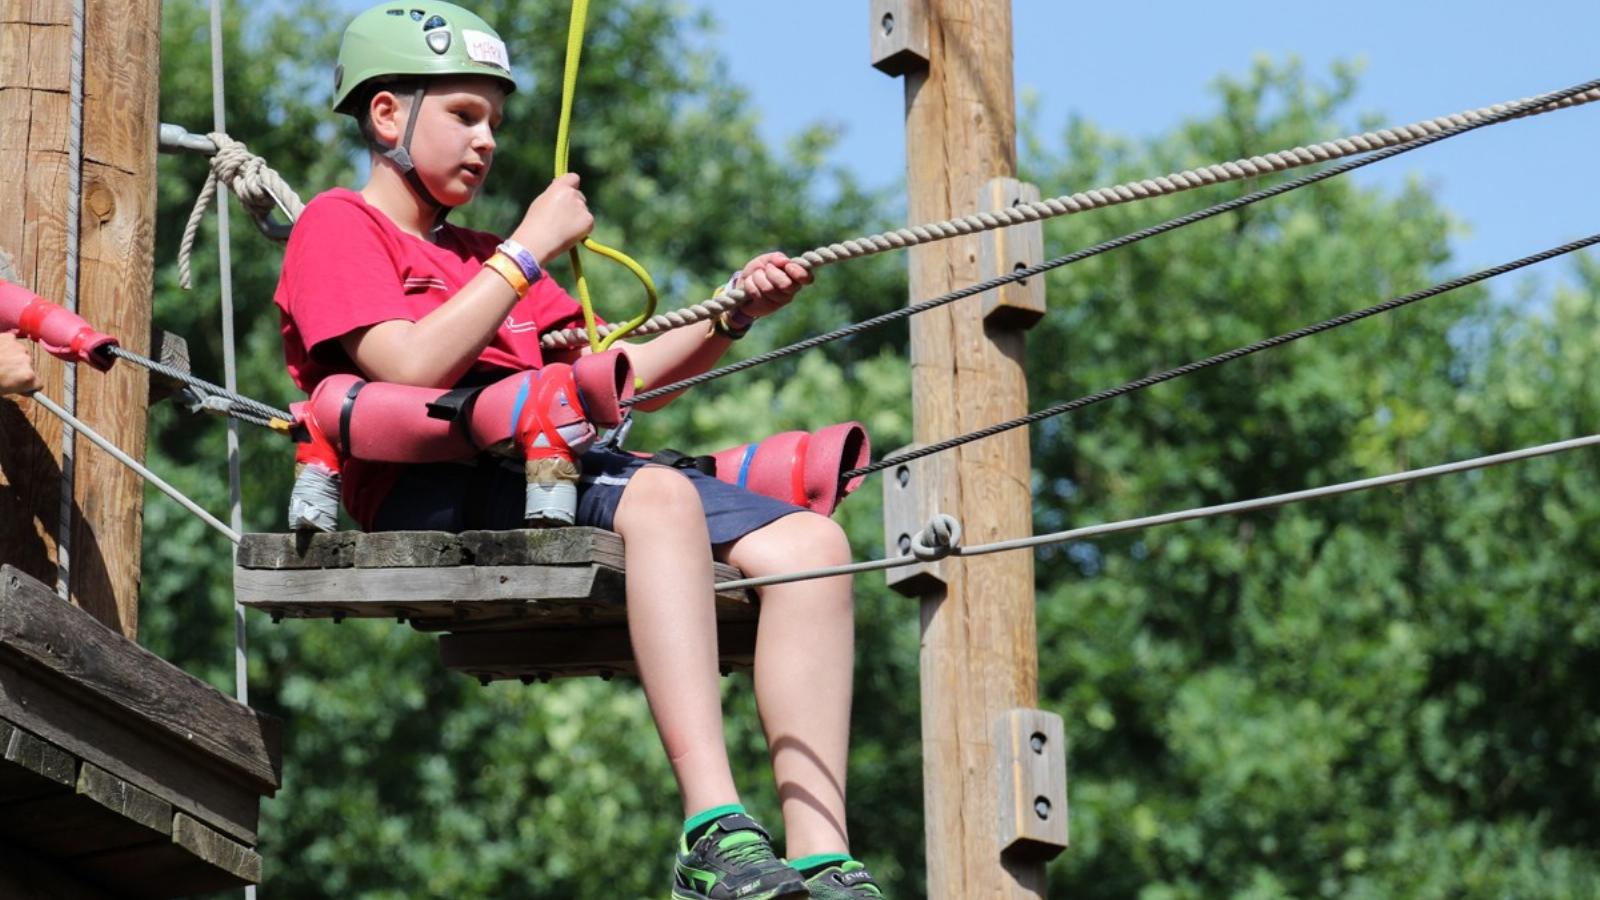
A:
(257, 186)
(1084, 201)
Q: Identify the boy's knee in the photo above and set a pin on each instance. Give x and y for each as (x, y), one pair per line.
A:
(816, 539)
(660, 493)
(828, 537)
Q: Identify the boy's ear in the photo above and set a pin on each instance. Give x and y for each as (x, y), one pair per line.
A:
(386, 112)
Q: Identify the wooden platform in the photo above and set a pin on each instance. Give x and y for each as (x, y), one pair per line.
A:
(120, 775)
(531, 605)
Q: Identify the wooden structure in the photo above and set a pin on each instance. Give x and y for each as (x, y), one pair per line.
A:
(120, 776)
(979, 646)
(531, 605)
(122, 44)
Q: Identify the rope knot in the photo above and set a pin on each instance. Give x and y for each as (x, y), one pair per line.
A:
(938, 540)
(257, 186)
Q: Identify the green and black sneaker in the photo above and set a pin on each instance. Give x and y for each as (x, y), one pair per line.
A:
(848, 880)
(732, 859)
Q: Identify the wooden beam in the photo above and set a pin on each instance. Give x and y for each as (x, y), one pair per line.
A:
(117, 205)
(979, 653)
(108, 702)
(108, 670)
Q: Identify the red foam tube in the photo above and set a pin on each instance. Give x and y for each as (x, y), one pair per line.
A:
(63, 333)
(804, 469)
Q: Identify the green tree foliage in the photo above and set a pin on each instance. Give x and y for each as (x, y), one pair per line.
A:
(1381, 695)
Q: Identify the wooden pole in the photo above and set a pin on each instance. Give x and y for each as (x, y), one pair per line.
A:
(122, 42)
(979, 655)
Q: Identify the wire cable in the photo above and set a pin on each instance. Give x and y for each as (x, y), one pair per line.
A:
(261, 410)
(1220, 358)
(1104, 247)
(69, 384)
(230, 369)
(1201, 512)
(138, 467)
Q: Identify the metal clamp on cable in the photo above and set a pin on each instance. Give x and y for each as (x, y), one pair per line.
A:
(938, 540)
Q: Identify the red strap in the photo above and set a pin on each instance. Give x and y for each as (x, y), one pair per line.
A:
(33, 316)
(318, 449)
(797, 472)
(554, 379)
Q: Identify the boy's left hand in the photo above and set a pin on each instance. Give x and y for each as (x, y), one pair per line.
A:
(770, 281)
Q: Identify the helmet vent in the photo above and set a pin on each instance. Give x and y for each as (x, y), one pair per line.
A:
(431, 24)
(416, 15)
(439, 41)
(396, 12)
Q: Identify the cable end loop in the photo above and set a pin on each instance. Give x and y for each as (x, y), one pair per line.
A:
(940, 539)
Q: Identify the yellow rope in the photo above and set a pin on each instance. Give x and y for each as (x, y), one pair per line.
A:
(569, 88)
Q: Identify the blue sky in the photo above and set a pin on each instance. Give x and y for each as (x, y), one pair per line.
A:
(1138, 68)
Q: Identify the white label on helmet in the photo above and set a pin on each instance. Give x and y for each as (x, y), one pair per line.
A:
(486, 48)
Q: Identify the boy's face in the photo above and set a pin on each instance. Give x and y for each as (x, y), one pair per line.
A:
(453, 144)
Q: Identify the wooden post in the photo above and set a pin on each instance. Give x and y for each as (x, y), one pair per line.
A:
(122, 42)
(979, 653)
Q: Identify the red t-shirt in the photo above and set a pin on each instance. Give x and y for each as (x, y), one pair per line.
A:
(348, 266)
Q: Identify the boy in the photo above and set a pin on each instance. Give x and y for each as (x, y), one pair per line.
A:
(375, 283)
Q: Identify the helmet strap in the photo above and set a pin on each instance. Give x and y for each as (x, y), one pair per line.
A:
(401, 157)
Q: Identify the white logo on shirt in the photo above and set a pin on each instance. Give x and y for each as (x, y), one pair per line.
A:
(515, 327)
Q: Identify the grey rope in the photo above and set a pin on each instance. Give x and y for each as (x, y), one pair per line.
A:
(1099, 198)
(258, 187)
(69, 384)
(204, 388)
(138, 468)
(241, 656)
(1201, 512)
(1104, 247)
(1220, 358)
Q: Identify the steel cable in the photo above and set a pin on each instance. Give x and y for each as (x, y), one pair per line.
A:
(1510, 112)
(1220, 358)
(260, 409)
(1202, 512)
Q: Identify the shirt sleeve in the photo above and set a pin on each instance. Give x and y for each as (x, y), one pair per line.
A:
(553, 308)
(340, 275)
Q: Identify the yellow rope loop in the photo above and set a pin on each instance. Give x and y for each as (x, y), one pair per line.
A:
(569, 89)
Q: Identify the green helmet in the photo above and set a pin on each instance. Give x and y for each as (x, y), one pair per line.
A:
(397, 40)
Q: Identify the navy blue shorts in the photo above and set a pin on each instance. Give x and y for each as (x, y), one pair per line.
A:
(488, 494)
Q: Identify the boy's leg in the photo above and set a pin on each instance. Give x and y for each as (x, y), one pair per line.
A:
(673, 623)
(805, 658)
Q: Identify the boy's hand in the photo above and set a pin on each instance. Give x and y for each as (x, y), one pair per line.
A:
(556, 220)
(16, 367)
(769, 282)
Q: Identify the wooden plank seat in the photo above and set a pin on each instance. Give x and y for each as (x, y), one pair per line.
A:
(532, 605)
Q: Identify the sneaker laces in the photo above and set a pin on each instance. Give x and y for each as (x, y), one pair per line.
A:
(745, 847)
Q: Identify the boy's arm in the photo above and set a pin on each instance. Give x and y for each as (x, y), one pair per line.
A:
(437, 349)
(769, 281)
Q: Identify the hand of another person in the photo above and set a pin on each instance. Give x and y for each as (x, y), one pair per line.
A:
(16, 367)
(556, 220)
(769, 282)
